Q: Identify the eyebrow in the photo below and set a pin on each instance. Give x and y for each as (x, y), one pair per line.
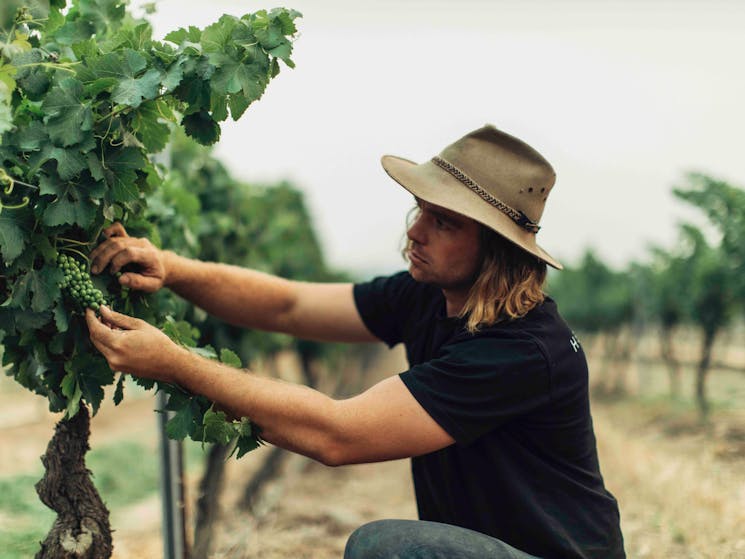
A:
(448, 218)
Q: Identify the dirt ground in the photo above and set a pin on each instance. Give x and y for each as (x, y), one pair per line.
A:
(680, 485)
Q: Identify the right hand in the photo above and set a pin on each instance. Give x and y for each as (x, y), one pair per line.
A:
(119, 249)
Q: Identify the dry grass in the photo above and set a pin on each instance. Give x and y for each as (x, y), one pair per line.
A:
(680, 484)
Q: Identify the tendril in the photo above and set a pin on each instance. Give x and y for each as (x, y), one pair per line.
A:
(10, 182)
(24, 202)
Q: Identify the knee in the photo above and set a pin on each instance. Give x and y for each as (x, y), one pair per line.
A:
(368, 541)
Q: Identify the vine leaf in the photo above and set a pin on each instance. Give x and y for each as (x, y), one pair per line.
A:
(119, 392)
(68, 116)
(13, 239)
(148, 127)
(217, 428)
(44, 284)
(202, 128)
(68, 210)
(230, 358)
(71, 390)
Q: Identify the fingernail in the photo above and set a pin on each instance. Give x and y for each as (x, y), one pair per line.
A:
(94, 269)
(124, 280)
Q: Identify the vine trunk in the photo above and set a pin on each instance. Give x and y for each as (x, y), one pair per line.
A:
(82, 529)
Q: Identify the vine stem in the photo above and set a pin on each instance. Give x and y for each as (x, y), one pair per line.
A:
(77, 252)
(73, 241)
(27, 184)
(51, 65)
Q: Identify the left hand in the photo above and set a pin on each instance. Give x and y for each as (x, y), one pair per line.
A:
(131, 345)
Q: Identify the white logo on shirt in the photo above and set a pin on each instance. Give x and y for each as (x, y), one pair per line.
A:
(575, 343)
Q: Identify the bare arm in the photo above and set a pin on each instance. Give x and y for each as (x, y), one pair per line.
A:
(383, 423)
(244, 297)
(240, 296)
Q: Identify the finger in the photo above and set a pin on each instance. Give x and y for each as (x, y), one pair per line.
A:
(99, 332)
(140, 283)
(103, 253)
(115, 230)
(118, 319)
(130, 255)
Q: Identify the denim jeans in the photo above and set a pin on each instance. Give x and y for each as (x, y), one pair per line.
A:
(421, 539)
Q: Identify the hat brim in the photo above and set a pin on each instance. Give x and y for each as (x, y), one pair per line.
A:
(432, 184)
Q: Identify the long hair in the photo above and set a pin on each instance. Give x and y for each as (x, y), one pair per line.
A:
(508, 285)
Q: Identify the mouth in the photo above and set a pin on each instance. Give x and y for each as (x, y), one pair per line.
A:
(416, 257)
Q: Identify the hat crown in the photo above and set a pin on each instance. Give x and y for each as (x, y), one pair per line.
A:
(505, 167)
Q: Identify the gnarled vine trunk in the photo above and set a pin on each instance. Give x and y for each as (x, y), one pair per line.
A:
(81, 530)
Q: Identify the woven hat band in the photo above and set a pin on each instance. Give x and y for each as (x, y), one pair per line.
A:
(515, 215)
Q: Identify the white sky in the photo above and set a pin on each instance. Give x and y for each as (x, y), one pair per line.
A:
(622, 98)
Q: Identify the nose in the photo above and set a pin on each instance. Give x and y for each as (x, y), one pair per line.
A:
(417, 231)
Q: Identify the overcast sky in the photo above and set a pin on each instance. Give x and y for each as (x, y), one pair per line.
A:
(622, 98)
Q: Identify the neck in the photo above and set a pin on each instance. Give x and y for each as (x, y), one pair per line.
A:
(455, 299)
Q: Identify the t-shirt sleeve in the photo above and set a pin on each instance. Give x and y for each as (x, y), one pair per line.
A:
(476, 385)
(384, 304)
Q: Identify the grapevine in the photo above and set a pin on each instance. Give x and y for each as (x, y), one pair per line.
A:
(87, 98)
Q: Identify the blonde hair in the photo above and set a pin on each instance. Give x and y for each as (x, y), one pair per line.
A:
(508, 285)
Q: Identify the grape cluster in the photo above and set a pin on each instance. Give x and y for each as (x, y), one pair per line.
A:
(77, 283)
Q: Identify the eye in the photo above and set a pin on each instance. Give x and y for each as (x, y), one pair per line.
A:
(441, 224)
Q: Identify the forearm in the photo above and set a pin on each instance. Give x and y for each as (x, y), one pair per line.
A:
(291, 416)
(236, 295)
(317, 311)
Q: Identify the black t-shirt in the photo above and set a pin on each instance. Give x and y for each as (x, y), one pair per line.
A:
(514, 396)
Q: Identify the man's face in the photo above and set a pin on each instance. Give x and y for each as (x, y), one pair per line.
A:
(444, 248)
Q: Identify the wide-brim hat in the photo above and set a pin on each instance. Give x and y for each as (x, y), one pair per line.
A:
(489, 176)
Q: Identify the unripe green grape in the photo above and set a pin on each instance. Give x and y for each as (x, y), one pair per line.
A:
(77, 283)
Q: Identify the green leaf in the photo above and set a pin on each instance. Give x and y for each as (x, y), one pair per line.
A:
(201, 127)
(119, 392)
(138, 38)
(70, 162)
(30, 137)
(61, 317)
(6, 119)
(122, 73)
(102, 13)
(132, 91)
(191, 35)
(73, 31)
(95, 166)
(71, 390)
(238, 105)
(253, 79)
(148, 126)
(88, 48)
(27, 320)
(182, 424)
(31, 78)
(69, 115)
(93, 373)
(216, 37)
(216, 427)
(44, 284)
(120, 173)
(230, 358)
(67, 210)
(22, 291)
(174, 73)
(13, 238)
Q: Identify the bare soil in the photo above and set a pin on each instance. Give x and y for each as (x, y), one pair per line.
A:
(680, 484)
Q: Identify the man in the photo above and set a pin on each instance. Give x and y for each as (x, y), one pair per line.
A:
(494, 411)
